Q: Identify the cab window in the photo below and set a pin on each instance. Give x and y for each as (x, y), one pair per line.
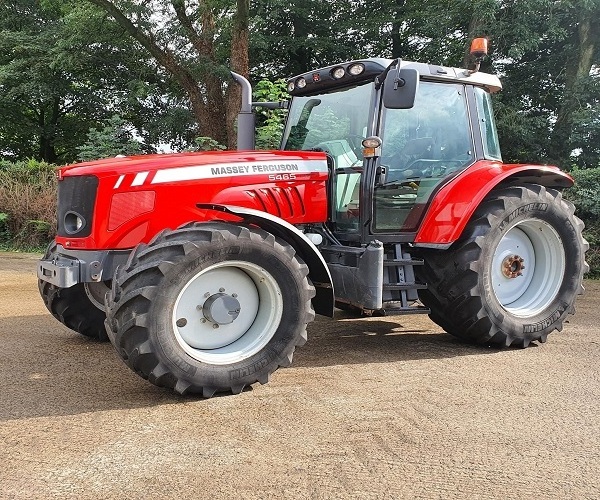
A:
(422, 146)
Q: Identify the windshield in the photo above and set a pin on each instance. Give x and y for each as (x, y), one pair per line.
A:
(335, 122)
(336, 116)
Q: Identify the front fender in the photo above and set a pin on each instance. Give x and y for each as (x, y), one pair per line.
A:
(455, 203)
(324, 300)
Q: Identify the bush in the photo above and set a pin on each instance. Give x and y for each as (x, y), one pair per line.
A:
(27, 205)
(585, 194)
(204, 143)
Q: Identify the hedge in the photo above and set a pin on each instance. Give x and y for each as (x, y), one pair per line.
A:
(28, 207)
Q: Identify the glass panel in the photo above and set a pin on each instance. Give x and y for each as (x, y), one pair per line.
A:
(491, 146)
(336, 123)
(421, 147)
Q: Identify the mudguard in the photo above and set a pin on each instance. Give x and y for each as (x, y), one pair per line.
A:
(324, 300)
(455, 203)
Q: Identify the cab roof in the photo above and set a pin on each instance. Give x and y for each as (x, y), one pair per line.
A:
(319, 80)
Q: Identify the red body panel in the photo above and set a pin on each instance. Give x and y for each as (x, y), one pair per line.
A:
(455, 203)
(139, 196)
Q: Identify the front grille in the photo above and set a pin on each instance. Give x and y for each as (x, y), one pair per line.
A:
(77, 195)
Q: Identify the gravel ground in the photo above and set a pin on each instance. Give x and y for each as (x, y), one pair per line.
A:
(371, 408)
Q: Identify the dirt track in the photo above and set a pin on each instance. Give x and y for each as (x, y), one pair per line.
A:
(371, 408)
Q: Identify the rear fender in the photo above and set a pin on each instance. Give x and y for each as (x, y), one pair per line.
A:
(455, 203)
(324, 300)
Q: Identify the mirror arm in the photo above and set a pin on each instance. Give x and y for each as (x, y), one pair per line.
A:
(379, 79)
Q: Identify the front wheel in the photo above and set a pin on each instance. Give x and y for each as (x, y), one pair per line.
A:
(210, 307)
(79, 307)
(515, 273)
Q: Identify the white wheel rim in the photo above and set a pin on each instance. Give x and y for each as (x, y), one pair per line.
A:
(528, 291)
(251, 323)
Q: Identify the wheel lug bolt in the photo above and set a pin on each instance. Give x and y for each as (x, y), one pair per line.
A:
(215, 326)
(221, 290)
(207, 294)
(234, 295)
(202, 320)
(181, 322)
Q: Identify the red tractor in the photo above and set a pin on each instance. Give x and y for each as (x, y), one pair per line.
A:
(388, 196)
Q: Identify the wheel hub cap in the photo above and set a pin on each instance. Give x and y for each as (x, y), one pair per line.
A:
(512, 266)
(221, 309)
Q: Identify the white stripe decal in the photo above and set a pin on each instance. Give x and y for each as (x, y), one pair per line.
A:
(119, 180)
(139, 179)
(198, 172)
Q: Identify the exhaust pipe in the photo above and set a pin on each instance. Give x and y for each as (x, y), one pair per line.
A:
(246, 122)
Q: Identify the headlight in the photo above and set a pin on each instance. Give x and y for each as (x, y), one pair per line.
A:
(74, 222)
(356, 69)
(291, 86)
(300, 83)
(338, 73)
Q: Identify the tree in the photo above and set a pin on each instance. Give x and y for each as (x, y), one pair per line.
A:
(583, 46)
(186, 42)
(63, 69)
(36, 94)
(68, 66)
(550, 101)
(288, 39)
(114, 139)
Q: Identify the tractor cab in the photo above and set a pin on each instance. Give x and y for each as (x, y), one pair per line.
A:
(394, 133)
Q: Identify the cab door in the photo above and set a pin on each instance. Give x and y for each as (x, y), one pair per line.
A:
(421, 148)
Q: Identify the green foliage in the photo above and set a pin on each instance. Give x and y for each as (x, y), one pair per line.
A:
(114, 139)
(4, 234)
(28, 201)
(549, 104)
(585, 194)
(269, 122)
(207, 144)
(65, 66)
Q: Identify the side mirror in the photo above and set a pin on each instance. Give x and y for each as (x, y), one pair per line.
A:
(400, 88)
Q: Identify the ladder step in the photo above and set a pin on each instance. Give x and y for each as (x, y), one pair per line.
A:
(397, 311)
(403, 262)
(404, 286)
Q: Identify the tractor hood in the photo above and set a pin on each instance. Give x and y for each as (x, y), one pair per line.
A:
(119, 202)
(196, 162)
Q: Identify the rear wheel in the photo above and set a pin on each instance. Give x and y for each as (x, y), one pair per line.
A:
(79, 307)
(210, 307)
(514, 275)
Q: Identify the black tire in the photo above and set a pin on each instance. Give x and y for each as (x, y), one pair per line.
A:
(475, 291)
(73, 307)
(164, 279)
